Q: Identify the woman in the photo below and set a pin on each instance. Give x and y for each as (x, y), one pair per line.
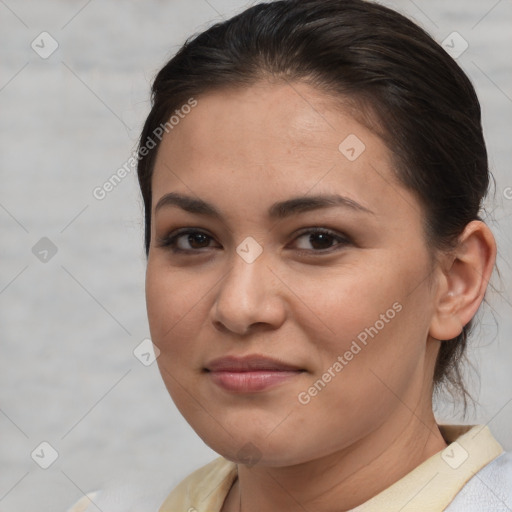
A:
(312, 173)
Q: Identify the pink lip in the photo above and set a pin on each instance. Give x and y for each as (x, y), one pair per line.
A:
(250, 373)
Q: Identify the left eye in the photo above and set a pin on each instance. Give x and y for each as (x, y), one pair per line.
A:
(321, 240)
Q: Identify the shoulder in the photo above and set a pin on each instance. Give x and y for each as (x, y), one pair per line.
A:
(83, 503)
(128, 496)
(204, 489)
(206, 486)
(490, 489)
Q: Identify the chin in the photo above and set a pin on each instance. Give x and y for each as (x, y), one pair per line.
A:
(255, 448)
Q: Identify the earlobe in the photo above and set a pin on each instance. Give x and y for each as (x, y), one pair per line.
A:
(462, 284)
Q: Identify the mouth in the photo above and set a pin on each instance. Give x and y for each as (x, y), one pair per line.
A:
(250, 374)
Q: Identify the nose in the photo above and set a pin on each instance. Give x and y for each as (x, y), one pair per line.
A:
(249, 297)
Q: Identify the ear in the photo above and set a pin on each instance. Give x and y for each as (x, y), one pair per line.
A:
(463, 281)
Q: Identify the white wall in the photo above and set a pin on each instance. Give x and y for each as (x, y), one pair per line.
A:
(68, 326)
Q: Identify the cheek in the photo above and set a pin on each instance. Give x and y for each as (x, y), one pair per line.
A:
(345, 306)
(368, 325)
(174, 300)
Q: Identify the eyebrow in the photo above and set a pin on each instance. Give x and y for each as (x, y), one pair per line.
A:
(279, 210)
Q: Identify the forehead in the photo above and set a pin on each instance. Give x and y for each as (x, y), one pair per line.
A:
(268, 141)
(287, 118)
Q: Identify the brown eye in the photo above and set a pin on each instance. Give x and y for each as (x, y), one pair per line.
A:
(318, 240)
(196, 240)
(190, 240)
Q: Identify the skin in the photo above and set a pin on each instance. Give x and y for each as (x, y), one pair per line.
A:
(243, 150)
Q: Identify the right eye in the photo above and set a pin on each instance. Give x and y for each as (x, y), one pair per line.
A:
(186, 241)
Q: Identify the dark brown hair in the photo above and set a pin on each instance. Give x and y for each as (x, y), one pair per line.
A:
(425, 107)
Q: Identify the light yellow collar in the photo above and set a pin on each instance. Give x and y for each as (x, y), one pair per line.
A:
(430, 487)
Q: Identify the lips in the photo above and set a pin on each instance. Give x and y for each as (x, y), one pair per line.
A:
(251, 373)
(248, 364)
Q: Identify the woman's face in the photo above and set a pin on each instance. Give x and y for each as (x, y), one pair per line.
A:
(348, 309)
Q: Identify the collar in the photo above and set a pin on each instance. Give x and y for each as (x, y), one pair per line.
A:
(430, 487)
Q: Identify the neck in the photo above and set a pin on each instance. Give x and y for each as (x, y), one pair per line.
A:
(344, 479)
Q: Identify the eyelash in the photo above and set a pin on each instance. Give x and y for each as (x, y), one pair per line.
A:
(171, 241)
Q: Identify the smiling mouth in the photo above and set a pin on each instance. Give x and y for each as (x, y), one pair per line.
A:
(251, 381)
(250, 374)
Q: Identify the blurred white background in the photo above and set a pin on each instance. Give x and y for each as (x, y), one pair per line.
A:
(71, 320)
